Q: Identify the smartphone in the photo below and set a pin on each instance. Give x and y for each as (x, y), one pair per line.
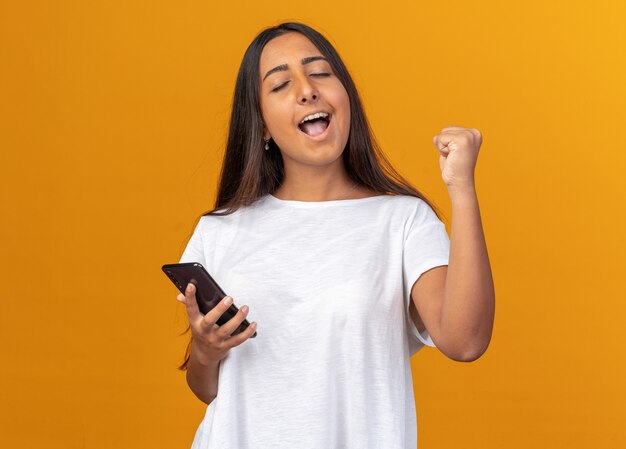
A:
(208, 292)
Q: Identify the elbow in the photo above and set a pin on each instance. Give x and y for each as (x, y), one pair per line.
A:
(473, 346)
(469, 353)
(471, 356)
(468, 345)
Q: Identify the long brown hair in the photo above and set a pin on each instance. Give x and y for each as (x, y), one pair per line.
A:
(249, 173)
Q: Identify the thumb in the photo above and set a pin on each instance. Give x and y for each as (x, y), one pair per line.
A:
(441, 145)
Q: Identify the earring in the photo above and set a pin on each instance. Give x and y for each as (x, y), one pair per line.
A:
(267, 145)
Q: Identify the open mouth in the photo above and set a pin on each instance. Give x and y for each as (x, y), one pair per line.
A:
(315, 127)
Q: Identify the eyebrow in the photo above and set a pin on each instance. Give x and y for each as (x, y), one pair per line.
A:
(284, 67)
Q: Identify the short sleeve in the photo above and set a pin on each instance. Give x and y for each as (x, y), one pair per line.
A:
(194, 251)
(426, 246)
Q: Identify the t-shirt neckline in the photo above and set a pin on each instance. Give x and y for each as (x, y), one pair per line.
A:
(313, 204)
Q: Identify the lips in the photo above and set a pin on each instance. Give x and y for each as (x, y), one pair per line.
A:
(315, 129)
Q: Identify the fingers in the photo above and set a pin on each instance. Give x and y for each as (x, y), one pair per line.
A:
(206, 324)
(210, 319)
(453, 128)
(456, 134)
(242, 336)
(227, 329)
(189, 299)
(441, 142)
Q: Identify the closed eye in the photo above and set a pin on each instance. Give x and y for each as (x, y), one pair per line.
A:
(277, 88)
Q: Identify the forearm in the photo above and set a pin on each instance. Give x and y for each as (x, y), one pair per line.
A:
(202, 376)
(469, 302)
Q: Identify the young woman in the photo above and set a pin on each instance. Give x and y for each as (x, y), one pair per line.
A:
(345, 266)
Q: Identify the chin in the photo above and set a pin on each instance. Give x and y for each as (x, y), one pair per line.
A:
(318, 156)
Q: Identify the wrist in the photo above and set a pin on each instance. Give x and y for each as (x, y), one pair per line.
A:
(465, 190)
(198, 357)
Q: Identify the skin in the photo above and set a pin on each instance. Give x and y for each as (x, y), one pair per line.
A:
(455, 303)
(314, 170)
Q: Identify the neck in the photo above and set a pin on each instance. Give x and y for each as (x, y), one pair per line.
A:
(316, 185)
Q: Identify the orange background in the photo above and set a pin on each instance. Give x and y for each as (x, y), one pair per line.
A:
(113, 120)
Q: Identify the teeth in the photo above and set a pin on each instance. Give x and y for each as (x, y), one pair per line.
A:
(314, 116)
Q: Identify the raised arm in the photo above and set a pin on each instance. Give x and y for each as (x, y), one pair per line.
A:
(457, 303)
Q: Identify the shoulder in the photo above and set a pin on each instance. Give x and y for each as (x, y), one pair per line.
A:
(420, 209)
(222, 218)
(412, 207)
(418, 216)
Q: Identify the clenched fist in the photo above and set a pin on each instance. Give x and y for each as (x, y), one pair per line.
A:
(458, 149)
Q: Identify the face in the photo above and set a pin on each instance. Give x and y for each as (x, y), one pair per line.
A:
(297, 81)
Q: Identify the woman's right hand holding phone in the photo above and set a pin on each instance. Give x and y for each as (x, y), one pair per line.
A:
(210, 342)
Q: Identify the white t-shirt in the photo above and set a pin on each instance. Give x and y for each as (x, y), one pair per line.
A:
(329, 285)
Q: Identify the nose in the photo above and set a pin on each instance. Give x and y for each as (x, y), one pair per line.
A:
(307, 92)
